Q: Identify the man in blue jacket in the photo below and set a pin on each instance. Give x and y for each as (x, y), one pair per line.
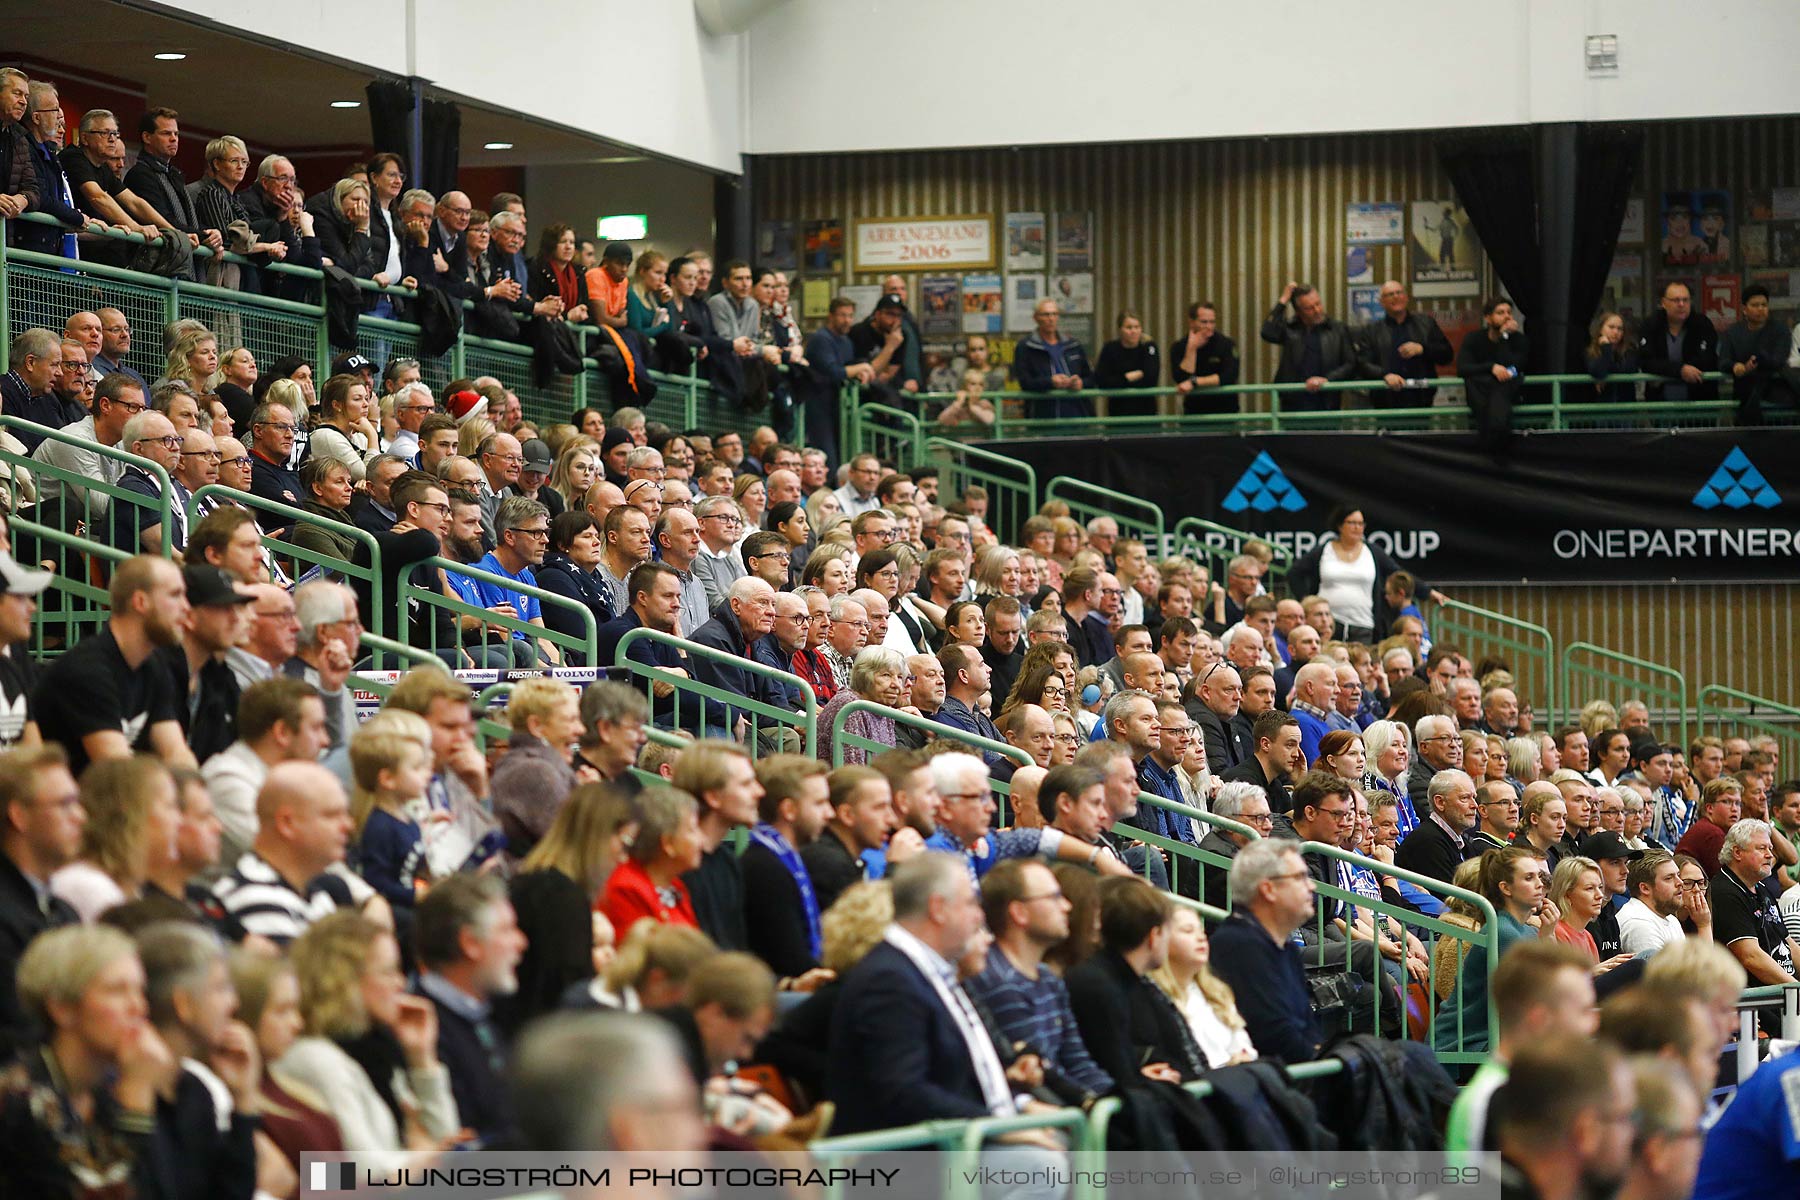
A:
(655, 590)
(1051, 363)
(831, 360)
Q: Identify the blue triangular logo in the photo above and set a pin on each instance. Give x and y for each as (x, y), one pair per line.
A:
(1263, 488)
(1736, 484)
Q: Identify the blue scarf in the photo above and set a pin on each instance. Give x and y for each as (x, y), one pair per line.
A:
(770, 839)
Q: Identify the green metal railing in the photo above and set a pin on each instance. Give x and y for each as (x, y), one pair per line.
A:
(1566, 407)
(976, 744)
(760, 718)
(76, 604)
(1141, 519)
(1633, 678)
(1427, 929)
(1216, 545)
(1727, 712)
(1011, 485)
(890, 434)
(298, 557)
(1481, 633)
(1187, 864)
(429, 598)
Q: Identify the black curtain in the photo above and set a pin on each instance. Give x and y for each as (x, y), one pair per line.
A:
(441, 147)
(390, 121)
(1493, 173)
(1606, 169)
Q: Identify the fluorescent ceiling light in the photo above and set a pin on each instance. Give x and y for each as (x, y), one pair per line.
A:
(346, 104)
(498, 146)
(170, 56)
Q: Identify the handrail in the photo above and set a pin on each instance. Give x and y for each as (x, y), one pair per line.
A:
(1678, 692)
(437, 599)
(807, 726)
(1196, 854)
(66, 583)
(164, 492)
(973, 740)
(1014, 499)
(1546, 654)
(1154, 527)
(861, 434)
(1185, 536)
(1488, 935)
(1749, 717)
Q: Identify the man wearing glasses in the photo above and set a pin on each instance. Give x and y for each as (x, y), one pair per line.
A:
(718, 564)
(522, 529)
(277, 215)
(102, 195)
(197, 467)
(116, 401)
(272, 428)
(137, 527)
(1253, 950)
(412, 404)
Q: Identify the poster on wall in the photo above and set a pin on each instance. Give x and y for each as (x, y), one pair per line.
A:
(1365, 305)
(940, 306)
(1624, 293)
(1784, 289)
(1359, 267)
(864, 295)
(983, 304)
(1022, 295)
(1696, 228)
(1079, 328)
(964, 240)
(1446, 255)
(824, 247)
(815, 298)
(777, 245)
(1718, 299)
(1382, 224)
(1025, 241)
(1631, 229)
(1073, 293)
(1075, 241)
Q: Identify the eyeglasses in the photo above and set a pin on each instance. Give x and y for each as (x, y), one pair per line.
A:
(1069, 739)
(279, 614)
(533, 533)
(507, 458)
(442, 508)
(1257, 818)
(724, 518)
(1180, 731)
(234, 461)
(210, 455)
(983, 794)
(278, 427)
(1293, 875)
(133, 409)
(863, 625)
(171, 442)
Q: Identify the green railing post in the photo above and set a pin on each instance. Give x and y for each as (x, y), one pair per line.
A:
(805, 722)
(1093, 500)
(1556, 409)
(1722, 719)
(1532, 643)
(5, 316)
(1673, 694)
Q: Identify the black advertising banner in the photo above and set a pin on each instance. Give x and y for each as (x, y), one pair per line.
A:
(1628, 506)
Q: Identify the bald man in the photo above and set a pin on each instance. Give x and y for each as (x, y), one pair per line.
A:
(1022, 804)
(1315, 696)
(283, 884)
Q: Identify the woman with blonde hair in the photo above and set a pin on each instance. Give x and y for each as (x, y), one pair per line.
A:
(1447, 954)
(1523, 758)
(824, 511)
(289, 394)
(132, 823)
(370, 1048)
(1578, 890)
(533, 779)
(1203, 998)
(1475, 754)
(647, 299)
(80, 1105)
(828, 569)
(1067, 542)
(194, 359)
(577, 469)
(996, 572)
(554, 892)
(1496, 757)
(471, 434)
(878, 674)
(752, 496)
(650, 970)
(1597, 716)
(294, 1117)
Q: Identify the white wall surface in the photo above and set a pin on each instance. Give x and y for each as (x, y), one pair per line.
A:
(1014, 72)
(668, 88)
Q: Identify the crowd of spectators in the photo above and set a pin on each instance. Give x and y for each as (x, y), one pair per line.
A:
(241, 920)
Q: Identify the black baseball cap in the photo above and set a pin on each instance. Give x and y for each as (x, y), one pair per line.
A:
(1608, 844)
(208, 585)
(350, 364)
(891, 302)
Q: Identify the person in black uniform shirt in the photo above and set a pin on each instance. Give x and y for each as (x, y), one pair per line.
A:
(1403, 345)
(1491, 363)
(720, 776)
(1746, 915)
(1203, 359)
(1129, 361)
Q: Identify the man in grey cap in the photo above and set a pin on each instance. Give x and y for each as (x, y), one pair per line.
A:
(534, 474)
(20, 587)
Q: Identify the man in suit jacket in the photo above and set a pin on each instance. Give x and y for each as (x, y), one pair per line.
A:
(467, 941)
(906, 1043)
(1440, 843)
